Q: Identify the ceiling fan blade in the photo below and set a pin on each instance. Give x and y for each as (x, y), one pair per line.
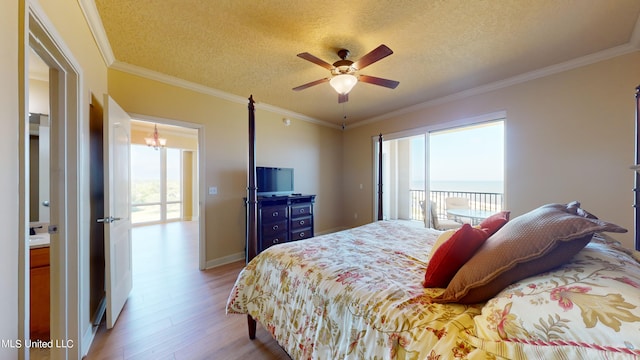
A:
(315, 60)
(343, 98)
(374, 55)
(392, 84)
(313, 83)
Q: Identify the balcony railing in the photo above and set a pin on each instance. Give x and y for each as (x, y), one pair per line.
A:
(493, 202)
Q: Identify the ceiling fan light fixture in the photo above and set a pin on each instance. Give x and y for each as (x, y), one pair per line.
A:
(343, 83)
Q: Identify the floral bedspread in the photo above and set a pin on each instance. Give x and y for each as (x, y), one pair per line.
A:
(357, 294)
(353, 294)
(588, 308)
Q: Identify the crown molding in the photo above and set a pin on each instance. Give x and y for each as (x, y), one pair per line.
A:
(631, 46)
(635, 35)
(90, 12)
(175, 81)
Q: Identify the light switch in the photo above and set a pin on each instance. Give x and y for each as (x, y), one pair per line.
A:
(213, 190)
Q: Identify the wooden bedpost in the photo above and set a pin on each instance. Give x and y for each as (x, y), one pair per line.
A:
(636, 189)
(252, 204)
(252, 201)
(380, 177)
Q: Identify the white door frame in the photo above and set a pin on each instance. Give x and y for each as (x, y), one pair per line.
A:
(202, 260)
(65, 112)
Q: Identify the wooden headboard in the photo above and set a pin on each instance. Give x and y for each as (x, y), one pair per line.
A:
(252, 190)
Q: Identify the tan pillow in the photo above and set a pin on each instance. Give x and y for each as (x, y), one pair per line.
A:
(442, 238)
(532, 243)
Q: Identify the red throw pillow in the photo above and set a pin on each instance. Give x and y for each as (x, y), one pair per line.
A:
(452, 254)
(494, 222)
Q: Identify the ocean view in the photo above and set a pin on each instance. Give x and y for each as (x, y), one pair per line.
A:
(462, 185)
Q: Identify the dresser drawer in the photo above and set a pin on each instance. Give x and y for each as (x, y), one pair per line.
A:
(274, 228)
(273, 213)
(300, 210)
(301, 234)
(273, 240)
(301, 223)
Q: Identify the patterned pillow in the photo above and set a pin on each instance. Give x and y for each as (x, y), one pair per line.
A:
(589, 307)
(450, 255)
(537, 241)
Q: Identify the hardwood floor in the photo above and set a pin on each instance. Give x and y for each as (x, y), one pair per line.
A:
(176, 311)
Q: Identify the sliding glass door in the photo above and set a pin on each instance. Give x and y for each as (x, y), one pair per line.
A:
(432, 167)
(466, 171)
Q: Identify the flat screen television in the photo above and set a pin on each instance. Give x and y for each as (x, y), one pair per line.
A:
(272, 181)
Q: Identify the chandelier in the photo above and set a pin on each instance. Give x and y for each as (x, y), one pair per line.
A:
(155, 140)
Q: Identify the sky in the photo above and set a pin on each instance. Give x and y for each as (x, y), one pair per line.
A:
(145, 163)
(475, 154)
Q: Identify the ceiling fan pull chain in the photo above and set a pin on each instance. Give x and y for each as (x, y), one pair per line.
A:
(344, 115)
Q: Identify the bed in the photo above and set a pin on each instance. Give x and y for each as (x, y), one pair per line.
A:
(547, 284)
(359, 294)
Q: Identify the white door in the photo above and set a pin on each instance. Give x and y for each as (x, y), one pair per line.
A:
(117, 221)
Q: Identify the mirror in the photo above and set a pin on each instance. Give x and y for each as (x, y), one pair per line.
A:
(39, 139)
(39, 168)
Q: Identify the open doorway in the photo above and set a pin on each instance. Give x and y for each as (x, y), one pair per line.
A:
(164, 176)
(39, 273)
(62, 115)
(166, 188)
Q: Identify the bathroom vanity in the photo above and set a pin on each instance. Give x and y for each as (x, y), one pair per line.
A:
(39, 287)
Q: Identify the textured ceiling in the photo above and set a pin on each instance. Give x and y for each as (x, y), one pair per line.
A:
(440, 47)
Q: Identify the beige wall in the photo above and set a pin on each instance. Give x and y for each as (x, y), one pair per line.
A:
(9, 220)
(38, 96)
(313, 151)
(569, 136)
(188, 174)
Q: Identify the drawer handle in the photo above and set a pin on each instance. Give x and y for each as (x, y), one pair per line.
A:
(302, 234)
(276, 240)
(301, 222)
(275, 227)
(302, 210)
(274, 214)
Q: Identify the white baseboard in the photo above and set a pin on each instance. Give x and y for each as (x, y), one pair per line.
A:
(329, 231)
(224, 260)
(87, 340)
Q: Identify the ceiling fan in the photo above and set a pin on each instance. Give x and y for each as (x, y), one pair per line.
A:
(344, 73)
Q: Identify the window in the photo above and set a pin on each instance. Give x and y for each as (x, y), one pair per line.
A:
(156, 184)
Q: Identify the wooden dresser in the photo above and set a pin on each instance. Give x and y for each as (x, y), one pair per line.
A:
(284, 218)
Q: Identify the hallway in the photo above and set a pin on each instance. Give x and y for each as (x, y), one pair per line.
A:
(176, 311)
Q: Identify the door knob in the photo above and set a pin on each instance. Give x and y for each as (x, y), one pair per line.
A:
(108, 220)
